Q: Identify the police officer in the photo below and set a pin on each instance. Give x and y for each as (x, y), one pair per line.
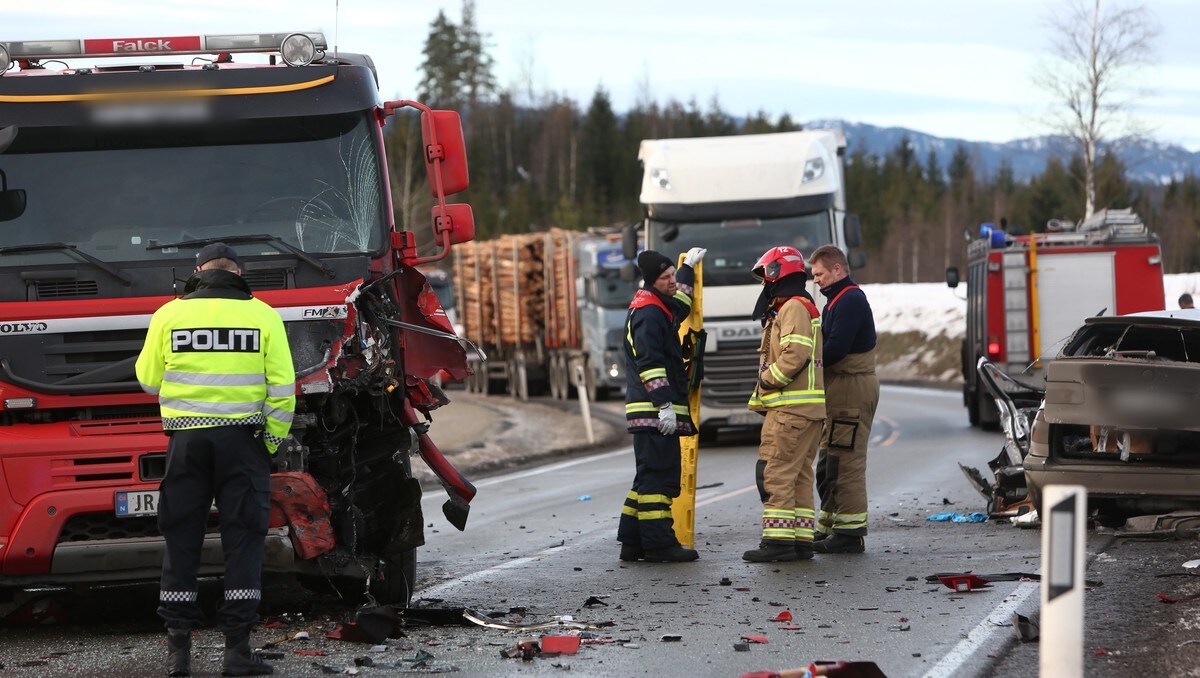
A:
(656, 407)
(851, 396)
(219, 361)
(790, 392)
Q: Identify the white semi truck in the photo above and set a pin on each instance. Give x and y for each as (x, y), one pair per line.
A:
(738, 196)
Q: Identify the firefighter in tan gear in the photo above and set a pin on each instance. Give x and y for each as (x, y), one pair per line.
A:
(790, 393)
(852, 394)
(219, 361)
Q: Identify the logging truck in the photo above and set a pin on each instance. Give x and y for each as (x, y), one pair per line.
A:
(547, 309)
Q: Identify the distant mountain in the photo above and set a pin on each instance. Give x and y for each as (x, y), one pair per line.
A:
(1150, 162)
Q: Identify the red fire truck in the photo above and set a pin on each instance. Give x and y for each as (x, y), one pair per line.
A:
(1026, 294)
(112, 175)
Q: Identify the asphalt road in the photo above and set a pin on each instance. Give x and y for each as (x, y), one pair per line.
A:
(541, 542)
(536, 543)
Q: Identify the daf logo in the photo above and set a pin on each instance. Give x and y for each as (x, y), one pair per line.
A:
(22, 328)
(325, 312)
(737, 333)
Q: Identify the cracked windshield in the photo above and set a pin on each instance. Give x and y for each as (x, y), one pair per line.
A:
(116, 192)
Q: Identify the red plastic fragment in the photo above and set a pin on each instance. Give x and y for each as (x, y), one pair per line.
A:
(786, 615)
(560, 644)
(297, 500)
(755, 639)
(964, 582)
(311, 653)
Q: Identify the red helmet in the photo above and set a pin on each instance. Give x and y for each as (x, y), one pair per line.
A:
(777, 263)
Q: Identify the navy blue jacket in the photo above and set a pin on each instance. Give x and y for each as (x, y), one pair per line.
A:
(847, 324)
(654, 369)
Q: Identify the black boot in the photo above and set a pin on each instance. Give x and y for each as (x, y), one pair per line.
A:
(179, 653)
(840, 543)
(673, 554)
(240, 660)
(772, 550)
(631, 553)
(804, 550)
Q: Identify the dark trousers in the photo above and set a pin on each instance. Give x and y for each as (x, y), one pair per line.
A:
(646, 517)
(231, 464)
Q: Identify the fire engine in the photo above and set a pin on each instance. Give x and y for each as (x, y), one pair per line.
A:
(112, 175)
(1027, 294)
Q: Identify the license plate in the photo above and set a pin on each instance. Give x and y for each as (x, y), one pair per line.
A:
(137, 502)
(744, 419)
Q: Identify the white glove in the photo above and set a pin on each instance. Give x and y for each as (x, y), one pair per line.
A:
(666, 420)
(694, 256)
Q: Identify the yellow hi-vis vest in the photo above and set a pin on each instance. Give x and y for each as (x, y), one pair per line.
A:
(220, 362)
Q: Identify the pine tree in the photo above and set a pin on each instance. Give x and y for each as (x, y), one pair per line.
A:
(442, 67)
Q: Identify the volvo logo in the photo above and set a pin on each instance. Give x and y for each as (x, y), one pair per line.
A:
(23, 328)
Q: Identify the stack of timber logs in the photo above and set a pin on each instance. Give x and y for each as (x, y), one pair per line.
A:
(518, 290)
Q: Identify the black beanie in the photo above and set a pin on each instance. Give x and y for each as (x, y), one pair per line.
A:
(652, 264)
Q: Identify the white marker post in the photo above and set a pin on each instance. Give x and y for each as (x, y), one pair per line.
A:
(1064, 535)
(584, 405)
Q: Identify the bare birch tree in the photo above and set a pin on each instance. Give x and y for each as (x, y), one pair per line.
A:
(1097, 49)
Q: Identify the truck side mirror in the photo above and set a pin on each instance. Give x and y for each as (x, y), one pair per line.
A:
(457, 222)
(12, 202)
(952, 278)
(853, 231)
(450, 149)
(629, 241)
(629, 273)
(856, 260)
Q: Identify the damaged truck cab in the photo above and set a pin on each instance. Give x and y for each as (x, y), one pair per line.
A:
(112, 175)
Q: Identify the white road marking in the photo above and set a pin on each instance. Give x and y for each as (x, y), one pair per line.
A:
(537, 471)
(439, 590)
(923, 390)
(983, 633)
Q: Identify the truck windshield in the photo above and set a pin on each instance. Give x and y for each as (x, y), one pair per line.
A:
(734, 245)
(312, 181)
(610, 291)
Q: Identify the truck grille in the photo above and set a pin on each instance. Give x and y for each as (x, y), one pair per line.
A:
(730, 374)
(64, 289)
(52, 358)
(270, 279)
(101, 526)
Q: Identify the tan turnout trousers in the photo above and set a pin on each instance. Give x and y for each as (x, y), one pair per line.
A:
(851, 396)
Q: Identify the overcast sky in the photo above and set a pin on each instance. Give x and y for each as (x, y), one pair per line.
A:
(952, 68)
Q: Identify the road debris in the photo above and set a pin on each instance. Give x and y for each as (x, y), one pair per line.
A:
(1026, 628)
(755, 639)
(484, 620)
(560, 644)
(785, 616)
(670, 638)
(975, 517)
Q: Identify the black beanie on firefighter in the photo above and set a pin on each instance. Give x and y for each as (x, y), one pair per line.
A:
(652, 264)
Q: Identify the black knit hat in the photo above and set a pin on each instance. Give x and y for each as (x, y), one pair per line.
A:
(216, 250)
(652, 264)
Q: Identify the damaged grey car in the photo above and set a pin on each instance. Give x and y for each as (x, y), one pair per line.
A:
(1121, 416)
